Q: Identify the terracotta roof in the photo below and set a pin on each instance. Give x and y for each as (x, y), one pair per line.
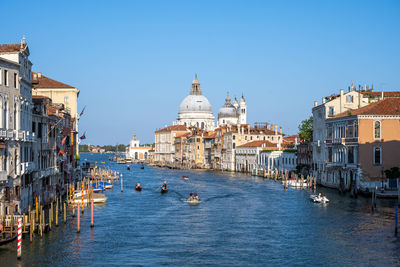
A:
(173, 128)
(181, 134)
(210, 136)
(11, 48)
(45, 82)
(387, 106)
(259, 143)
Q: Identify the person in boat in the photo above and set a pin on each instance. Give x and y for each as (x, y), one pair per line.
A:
(191, 197)
(164, 186)
(195, 196)
(138, 186)
(320, 195)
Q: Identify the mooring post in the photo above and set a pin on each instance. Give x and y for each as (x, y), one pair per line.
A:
(78, 219)
(395, 218)
(122, 182)
(19, 248)
(91, 213)
(65, 212)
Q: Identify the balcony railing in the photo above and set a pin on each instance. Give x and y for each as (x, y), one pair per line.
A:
(3, 176)
(10, 133)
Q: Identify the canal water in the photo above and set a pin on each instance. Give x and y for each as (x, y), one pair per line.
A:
(240, 221)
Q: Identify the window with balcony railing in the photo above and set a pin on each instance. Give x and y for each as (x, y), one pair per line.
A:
(350, 154)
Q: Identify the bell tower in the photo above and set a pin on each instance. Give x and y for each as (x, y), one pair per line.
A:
(242, 111)
(195, 90)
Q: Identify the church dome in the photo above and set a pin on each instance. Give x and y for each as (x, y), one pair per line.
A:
(227, 110)
(195, 103)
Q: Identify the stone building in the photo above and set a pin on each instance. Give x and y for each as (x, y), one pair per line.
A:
(136, 151)
(361, 145)
(15, 122)
(164, 150)
(59, 93)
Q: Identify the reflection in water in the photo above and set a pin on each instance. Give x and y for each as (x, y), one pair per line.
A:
(241, 220)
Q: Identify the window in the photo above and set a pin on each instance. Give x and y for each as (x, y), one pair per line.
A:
(350, 99)
(234, 137)
(377, 155)
(234, 145)
(329, 154)
(331, 111)
(377, 129)
(329, 132)
(66, 99)
(350, 155)
(1, 80)
(15, 81)
(6, 77)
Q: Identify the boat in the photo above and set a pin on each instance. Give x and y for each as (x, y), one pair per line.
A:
(163, 191)
(193, 201)
(103, 161)
(152, 165)
(138, 188)
(319, 199)
(97, 188)
(7, 240)
(142, 167)
(128, 168)
(97, 198)
(184, 177)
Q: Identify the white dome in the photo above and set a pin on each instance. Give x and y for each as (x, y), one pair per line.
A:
(227, 112)
(195, 103)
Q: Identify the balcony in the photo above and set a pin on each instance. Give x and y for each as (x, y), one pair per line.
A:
(3, 134)
(21, 135)
(3, 177)
(10, 134)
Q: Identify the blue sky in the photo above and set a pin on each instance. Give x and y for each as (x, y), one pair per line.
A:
(134, 61)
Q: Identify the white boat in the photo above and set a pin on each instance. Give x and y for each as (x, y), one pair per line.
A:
(296, 184)
(193, 201)
(319, 199)
(97, 198)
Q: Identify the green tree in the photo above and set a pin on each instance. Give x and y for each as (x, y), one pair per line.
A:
(306, 129)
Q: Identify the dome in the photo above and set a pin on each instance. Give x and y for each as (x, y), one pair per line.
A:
(227, 110)
(195, 104)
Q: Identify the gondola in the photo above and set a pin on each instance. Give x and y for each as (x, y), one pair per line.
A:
(7, 240)
(163, 191)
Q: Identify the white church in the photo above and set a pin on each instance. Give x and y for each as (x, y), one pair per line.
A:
(196, 110)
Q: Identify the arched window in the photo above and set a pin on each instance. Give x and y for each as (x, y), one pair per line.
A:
(136, 155)
(377, 129)
(202, 125)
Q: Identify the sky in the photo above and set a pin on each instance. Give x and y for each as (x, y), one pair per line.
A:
(134, 61)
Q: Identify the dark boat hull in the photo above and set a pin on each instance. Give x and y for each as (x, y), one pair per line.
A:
(163, 191)
(7, 240)
(138, 189)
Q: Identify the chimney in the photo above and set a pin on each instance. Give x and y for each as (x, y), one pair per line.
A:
(272, 127)
(39, 74)
(248, 128)
(34, 76)
(276, 129)
(280, 129)
(382, 96)
(341, 92)
(323, 100)
(315, 103)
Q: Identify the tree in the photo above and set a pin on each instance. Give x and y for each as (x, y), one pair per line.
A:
(306, 129)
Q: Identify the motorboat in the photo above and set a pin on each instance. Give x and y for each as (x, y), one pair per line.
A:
(319, 199)
(97, 198)
(184, 177)
(193, 201)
